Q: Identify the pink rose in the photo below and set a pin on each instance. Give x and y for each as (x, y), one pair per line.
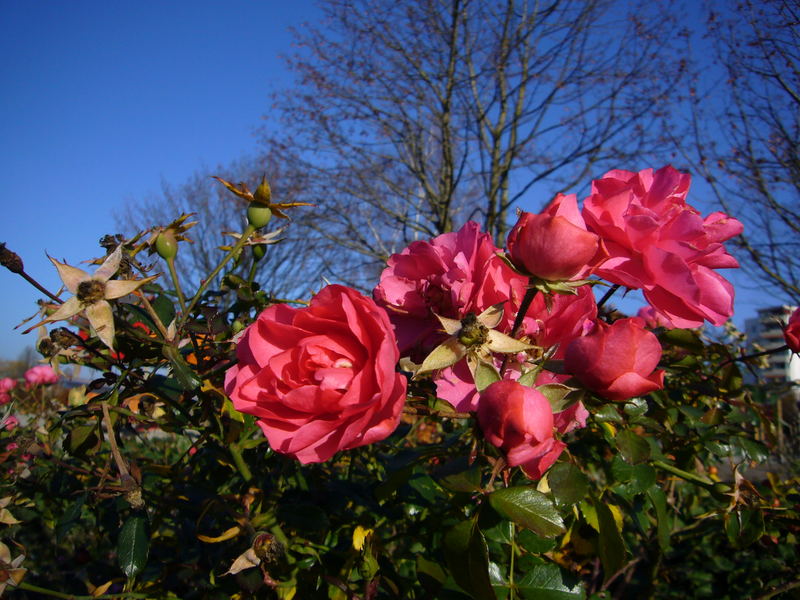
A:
(792, 332)
(452, 275)
(555, 244)
(10, 423)
(321, 378)
(518, 420)
(658, 243)
(4, 398)
(40, 375)
(7, 384)
(617, 361)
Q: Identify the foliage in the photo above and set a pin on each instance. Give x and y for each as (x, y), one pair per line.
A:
(148, 483)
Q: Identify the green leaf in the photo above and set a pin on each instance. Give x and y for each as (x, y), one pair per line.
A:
(682, 338)
(164, 309)
(529, 508)
(608, 414)
(458, 475)
(567, 483)
(467, 558)
(535, 544)
(560, 396)
(664, 527)
(611, 547)
(634, 448)
(182, 371)
(548, 582)
(133, 545)
(70, 518)
(484, 374)
(744, 527)
(82, 439)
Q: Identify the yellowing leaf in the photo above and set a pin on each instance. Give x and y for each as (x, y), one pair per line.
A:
(360, 535)
(101, 589)
(226, 535)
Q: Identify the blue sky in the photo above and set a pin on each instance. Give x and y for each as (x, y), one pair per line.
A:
(102, 101)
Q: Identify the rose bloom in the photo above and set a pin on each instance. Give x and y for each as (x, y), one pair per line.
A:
(555, 244)
(617, 361)
(10, 423)
(792, 332)
(519, 421)
(658, 243)
(40, 375)
(7, 384)
(652, 318)
(321, 378)
(452, 275)
(4, 398)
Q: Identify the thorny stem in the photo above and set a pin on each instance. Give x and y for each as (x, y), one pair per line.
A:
(530, 294)
(178, 290)
(706, 483)
(207, 281)
(608, 295)
(154, 315)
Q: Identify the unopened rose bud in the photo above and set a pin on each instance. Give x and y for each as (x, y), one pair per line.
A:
(258, 215)
(10, 260)
(259, 250)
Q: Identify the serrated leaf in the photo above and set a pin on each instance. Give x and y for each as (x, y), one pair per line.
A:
(133, 545)
(567, 483)
(529, 508)
(634, 448)
(467, 558)
(183, 372)
(611, 548)
(547, 582)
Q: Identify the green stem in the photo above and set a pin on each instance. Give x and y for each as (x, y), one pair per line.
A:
(238, 460)
(54, 594)
(511, 565)
(706, 483)
(252, 274)
(178, 290)
(207, 281)
(530, 294)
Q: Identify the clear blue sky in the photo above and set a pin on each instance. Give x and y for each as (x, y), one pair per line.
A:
(102, 100)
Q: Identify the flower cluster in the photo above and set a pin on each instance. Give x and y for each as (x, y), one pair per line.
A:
(513, 337)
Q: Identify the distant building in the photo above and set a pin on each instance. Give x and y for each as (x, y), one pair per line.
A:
(766, 331)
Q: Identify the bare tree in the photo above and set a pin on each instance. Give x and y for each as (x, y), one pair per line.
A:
(745, 136)
(409, 118)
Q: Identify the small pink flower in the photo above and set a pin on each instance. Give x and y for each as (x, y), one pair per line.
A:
(10, 423)
(792, 332)
(41, 375)
(658, 243)
(555, 244)
(519, 421)
(4, 398)
(11, 446)
(7, 384)
(617, 361)
(320, 379)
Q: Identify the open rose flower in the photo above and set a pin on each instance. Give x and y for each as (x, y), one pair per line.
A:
(519, 421)
(452, 275)
(792, 332)
(617, 361)
(7, 384)
(555, 244)
(321, 378)
(40, 375)
(658, 243)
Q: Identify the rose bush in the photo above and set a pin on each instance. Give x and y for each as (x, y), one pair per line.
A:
(320, 379)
